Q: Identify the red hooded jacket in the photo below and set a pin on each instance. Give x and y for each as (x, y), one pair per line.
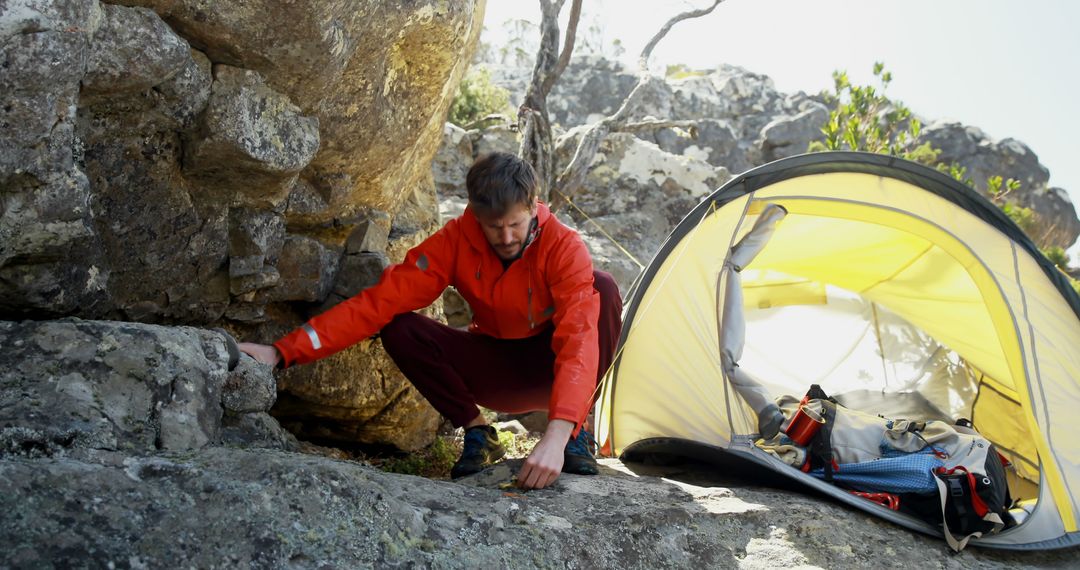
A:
(552, 282)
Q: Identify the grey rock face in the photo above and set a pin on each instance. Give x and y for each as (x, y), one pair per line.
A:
(590, 87)
(252, 138)
(108, 385)
(742, 121)
(138, 181)
(306, 268)
(1059, 224)
(50, 259)
(748, 100)
(637, 193)
(729, 104)
(249, 388)
(789, 136)
(452, 161)
(72, 385)
(983, 157)
(129, 130)
(133, 50)
(716, 143)
(971, 148)
(173, 269)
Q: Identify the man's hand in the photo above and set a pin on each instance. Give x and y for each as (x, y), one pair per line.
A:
(264, 353)
(545, 462)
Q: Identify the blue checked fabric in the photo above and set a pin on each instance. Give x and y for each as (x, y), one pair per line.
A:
(895, 472)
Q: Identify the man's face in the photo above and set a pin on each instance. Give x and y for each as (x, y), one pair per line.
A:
(507, 233)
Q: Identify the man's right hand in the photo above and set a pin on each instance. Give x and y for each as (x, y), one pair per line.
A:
(264, 353)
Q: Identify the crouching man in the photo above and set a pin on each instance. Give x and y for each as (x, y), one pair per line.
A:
(544, 328)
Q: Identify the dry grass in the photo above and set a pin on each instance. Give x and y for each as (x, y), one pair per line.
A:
(435, 460)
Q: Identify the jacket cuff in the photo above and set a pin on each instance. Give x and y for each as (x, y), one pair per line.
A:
(573, 416)
(285, 351)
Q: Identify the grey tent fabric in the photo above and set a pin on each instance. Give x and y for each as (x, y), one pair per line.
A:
(733, 323)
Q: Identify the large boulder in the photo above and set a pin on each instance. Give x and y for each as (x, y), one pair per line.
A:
(1058, 223)
(788, 136)
(185, 162)
(983, 157)
(74, 384)
(50, 258)
(729, 105)
(377, 75)
(358, 395)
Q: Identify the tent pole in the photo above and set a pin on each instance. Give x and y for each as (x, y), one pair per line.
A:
(881, 347)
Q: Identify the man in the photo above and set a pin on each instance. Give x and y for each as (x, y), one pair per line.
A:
(544, 329)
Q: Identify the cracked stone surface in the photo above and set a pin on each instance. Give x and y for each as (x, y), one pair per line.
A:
(110, 385)
(221, 507)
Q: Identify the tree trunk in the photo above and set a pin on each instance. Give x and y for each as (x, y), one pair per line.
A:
(533, 120)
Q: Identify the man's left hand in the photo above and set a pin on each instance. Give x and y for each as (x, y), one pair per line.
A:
(544, 464)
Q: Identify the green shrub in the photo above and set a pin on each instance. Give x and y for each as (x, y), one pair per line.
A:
(1026, 218)
(682, 71)
(477, 98)
(434, 461)
(864, 119)
(1057, 256)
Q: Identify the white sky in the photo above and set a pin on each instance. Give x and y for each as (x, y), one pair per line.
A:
(1009, 67)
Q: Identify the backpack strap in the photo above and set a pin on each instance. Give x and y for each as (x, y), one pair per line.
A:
(821, 446)
(816, 393)
(956, 490)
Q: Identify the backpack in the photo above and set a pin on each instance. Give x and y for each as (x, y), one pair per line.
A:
(941, 473)
(972, 498)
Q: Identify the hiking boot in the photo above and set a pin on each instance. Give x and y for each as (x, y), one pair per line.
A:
(578, 456)
(482, 448)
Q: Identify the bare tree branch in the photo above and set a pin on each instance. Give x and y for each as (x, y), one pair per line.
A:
(486, 119)
(654, 124)
(572, 177)
(615, 126)
(643, 59)
(568, 46)
(537, 146)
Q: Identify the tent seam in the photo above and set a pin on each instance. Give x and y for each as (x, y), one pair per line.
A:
(1038, 372)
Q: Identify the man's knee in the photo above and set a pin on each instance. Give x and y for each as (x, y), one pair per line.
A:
(608, 289)
(401, 331)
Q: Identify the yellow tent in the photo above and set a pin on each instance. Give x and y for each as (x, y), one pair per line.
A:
(887, 283)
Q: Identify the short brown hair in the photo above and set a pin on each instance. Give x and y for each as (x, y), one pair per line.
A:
(499, 180)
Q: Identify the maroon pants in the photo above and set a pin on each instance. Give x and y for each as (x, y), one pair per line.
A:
(457, 370)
